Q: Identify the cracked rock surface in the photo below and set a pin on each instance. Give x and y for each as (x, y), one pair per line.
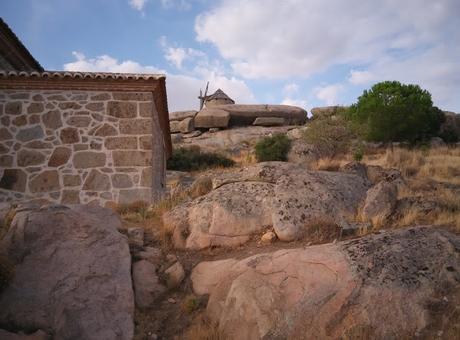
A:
(389, 285)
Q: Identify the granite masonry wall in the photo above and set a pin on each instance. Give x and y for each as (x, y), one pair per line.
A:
(75, 146)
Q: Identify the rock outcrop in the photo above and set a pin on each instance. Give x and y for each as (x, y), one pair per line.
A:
(72, 273)
(247, 114)
(383, 286)
(282, 195)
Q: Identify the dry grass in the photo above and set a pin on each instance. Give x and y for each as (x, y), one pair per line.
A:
(321, 230)
(440, 164)
(327, 164)
(203, 329)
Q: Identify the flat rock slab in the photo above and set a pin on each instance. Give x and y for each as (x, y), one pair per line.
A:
(72, 274)
(337, 291)
(278, 194)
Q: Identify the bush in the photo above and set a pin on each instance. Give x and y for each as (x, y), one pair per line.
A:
(330, 135)
(273, 148)
(192, 159)
(391, 111)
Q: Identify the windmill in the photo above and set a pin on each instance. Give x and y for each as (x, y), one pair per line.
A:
(201, 97)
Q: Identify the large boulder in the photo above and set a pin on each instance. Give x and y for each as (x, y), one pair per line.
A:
(183, 126)
(278, 194)
(392, 285)
(72, 273)
(247, 114)
(380, 202)
(181, 115)
(212, 118)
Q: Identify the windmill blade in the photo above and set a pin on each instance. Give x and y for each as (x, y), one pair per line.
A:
(206, 91)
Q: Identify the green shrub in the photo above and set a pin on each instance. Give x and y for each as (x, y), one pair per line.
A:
(330, 135)
(273, 148)
(449, 135)
(192, 159)
(391, 111)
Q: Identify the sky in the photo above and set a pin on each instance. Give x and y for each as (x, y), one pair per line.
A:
(299, 52)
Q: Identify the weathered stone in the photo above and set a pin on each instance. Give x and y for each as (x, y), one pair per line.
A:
(269, 121)
(181, 115)
(56, 97)
(137, 96)
(80, 147)
(268, 237)
(146, 177)
(151, 254)
(88, 159)
(71, 180)
(193, 134)
(97, 181)
(37, 144)
(121, 181)
(121, 109)
(13, 108)
(77, 256)
(145, 142)
(380, 202)
(38, 98)
(98, 107)
(246, 114)
(38, 335)
(210, 118)
(20, 121)
(79, 121)
(34, 119)
(136, 126)
(147, 287)
(4, 149)
(35, 108)
(146, 109)
(95, 145)
(46, 181)
(60, 156)
(106, 130)
(69, 135)
(52, 119)
(35, 132)
(174, 275)
(101, 96)
(70, 197)
(136, 236)
(5, 134)
(121, 143)
(132, 158)
(336, 291)
(30, 157)
(184, 126)
(69, 106)
(14, 180)
(5, 120)
(127, 196)
(6, 161)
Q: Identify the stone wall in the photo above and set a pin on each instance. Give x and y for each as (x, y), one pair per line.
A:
(76, 146)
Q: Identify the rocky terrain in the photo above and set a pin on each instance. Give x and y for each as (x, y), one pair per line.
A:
(270, 250)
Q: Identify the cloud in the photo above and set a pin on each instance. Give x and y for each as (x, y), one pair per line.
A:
(273, 39)
(177, 55)
(290, 89)
(295, 102)
(183, 89)
(138, 4)
(329, 94)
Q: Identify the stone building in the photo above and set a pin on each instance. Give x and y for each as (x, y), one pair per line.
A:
(77, 137)
(217, 98)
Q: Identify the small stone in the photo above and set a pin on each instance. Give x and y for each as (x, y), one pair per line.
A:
(30, 157)
(214, 130)
(121, 181)
(171, 300)
(193, 134)
(47, 181)
(60, 156)
(121, 109)
(35, 132)
(69, 135)
(70, 197)
(13, 108)
(5, 134)
(95, 106)
(136, 236)
(79, 121)
(268, 237)
(6, 161)
(106, 130)
(88, 159)
(174, 275)
(97, 181)
(35, 108)
(52, 119)
(20, 121)
(71, 180)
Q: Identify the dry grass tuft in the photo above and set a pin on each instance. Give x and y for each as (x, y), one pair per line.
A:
(203, 329)
(321, 230)
(327, 164)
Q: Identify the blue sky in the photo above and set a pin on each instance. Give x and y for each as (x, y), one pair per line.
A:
(300, 52)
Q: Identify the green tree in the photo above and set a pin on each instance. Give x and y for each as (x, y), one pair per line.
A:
(391, 111)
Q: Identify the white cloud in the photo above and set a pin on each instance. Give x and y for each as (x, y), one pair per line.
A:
(138, 4)
(295, 102)
(273, 39)
(290, 89)
(329, 94)
(360, 77)
(177, 55)
(183, 89)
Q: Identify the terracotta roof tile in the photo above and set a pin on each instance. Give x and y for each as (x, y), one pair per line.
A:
(80, 75)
